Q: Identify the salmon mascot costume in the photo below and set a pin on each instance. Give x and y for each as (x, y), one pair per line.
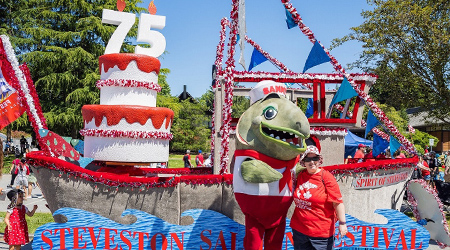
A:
(271, 137)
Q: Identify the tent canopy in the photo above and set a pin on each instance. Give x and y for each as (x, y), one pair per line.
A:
(351, 143)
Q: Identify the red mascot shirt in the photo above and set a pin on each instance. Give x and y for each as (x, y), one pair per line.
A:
(314, 213)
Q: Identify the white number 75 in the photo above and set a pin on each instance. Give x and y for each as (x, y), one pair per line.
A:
(125, 21)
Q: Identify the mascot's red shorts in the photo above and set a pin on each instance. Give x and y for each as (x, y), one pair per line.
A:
(265, 216)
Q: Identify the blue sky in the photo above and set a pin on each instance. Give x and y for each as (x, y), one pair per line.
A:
(192, 34)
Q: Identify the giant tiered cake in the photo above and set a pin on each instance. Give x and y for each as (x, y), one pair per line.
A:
(127, 126)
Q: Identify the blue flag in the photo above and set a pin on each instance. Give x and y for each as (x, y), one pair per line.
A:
(309, 108)
(344, 92)
(257, 58)
(394, 145)
(316, 56)
(379, 145)
(372, 122)
(289, 20)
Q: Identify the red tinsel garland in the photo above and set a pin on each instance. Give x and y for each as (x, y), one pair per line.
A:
(372, 165)
(38, 160)
(33, 93)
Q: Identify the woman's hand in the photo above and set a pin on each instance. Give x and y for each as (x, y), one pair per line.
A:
(343, 230)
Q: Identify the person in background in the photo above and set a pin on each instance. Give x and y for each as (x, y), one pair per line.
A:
(423, 165)
(22, 177)
(359, 154)
(199, 160)
(31, 183)
(14, 165)
(434, 166)
(447, 166)
(16, 231)
(187, 159)
(23, 143)
(318, 203)
(208, 162)
(369, 155)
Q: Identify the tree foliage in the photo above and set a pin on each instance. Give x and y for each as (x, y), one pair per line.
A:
(190, 128)
(407, 43)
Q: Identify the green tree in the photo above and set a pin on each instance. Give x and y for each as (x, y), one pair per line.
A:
(240, 103)
(190, 128)
(407, 43)
(61, 42)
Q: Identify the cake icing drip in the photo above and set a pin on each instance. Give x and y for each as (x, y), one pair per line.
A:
(145, 63)
(131, 113)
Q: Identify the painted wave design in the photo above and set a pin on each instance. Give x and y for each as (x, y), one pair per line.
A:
(399, 233)
(209, 230)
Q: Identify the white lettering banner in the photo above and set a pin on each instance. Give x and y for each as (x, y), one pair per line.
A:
(379, 181)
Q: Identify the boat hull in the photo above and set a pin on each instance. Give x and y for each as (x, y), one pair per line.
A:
(66, 185)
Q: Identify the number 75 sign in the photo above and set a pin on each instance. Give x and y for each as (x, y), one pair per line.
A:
(125, 21)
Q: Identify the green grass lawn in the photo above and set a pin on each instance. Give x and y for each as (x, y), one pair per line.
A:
(34, 222)
(176, 161)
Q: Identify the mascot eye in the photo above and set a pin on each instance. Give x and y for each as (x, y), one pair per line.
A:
(270, 113)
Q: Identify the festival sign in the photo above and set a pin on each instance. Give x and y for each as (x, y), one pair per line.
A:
(379, 181)
(210, 230)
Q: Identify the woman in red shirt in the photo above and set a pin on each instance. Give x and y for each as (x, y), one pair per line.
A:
(318, 201)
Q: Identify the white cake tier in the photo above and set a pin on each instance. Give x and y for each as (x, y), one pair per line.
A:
(114, 95)
(120, 91)
(126, 149)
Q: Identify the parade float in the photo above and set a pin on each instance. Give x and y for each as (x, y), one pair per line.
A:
(112, 183)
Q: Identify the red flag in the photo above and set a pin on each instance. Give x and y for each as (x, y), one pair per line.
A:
(10, 106)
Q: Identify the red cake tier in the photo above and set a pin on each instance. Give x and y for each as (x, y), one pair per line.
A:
(145, 63)
(131, 113)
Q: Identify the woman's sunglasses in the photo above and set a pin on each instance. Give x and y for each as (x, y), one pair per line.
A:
(309, 159)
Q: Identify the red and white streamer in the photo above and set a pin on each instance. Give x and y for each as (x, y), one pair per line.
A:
(229, 84)
(128, 84)
(127, 134)
(21, 81)
(363, 123)
(277, 63)
(293, 77)
(328, 131)
(369, 102)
